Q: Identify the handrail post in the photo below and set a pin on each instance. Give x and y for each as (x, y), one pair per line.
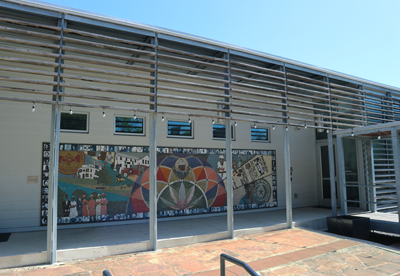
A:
(235, 261)
(222, 266)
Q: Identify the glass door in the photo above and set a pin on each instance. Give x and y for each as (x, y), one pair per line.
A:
(351, 170)
(324, 175)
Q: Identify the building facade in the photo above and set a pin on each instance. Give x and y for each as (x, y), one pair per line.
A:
(138, 119)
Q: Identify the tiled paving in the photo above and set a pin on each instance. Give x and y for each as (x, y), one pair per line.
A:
(286, 252)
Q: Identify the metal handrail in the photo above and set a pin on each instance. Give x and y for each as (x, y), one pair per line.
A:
(106, 273)
(240, 263)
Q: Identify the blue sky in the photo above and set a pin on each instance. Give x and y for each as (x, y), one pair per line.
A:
(356, 37)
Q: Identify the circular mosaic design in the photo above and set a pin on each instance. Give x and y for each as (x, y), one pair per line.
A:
(183, 182)
(262, 190)
(70, 161)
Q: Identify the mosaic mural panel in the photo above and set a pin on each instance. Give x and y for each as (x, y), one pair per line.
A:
(110, 183)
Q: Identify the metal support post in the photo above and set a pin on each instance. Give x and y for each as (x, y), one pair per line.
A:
(369, 174)
(53, 186)
(51, 245)
(342, 176)
(153, 158)
(288, 184)
(229, 177)
(372, 176)
(153, 181)
(229, 186)
(332, 174)
(286, 150)
(396, 161)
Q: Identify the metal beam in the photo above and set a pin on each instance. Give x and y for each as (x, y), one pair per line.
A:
(153, 159)
(332, 174)
(288, 184)
(51, 245)
(286, 153)
(368, 156)
(53, 186)
(342, 175)
(228, 138)
(396, 161)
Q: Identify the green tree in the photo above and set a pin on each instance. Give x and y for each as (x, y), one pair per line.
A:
(103, 177)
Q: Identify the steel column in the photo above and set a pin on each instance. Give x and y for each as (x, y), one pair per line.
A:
(332, 174)
(53, 186)
(369, 173)
(342, 175)
(51, 245)
(229, 186)
(286, 153)
(153, 159)
(228, 137)
(396, 161)
(288, 184)
(372, 177)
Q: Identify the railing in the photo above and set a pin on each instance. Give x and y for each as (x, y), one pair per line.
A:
(240, 263)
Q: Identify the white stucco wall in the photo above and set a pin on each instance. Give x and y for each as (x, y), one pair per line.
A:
(22, 133)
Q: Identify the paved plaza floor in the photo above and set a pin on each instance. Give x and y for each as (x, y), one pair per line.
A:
(284, 252)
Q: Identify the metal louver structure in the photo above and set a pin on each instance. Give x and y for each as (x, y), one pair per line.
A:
(68, 59)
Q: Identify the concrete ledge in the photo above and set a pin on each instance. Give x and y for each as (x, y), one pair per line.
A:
(257, 230)
(181, 241)
(23, 260)
(317, 224)
(100, 251)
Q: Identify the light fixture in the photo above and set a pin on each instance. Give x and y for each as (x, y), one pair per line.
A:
(305, 126)
(189, 120)
(273, 127)
(104, 113)
(255, 125)
(134, 116)
(70, 110)
(213, 122)
(162, 118)
(287, 128)
(352, 134)
(298, 128)
(33, 107)
(327, 131)
(379, 136)
(235, 123)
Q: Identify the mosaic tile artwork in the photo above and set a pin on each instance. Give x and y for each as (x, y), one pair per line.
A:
(99, 183)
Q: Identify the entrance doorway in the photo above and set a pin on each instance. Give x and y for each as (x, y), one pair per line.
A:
(353, 167)
(324, 191)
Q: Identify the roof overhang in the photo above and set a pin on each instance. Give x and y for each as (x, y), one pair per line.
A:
(371, 132)
(168, 32)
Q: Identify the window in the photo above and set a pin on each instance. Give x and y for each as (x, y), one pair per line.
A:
(180, 129)
(128, 126)
(77, 122)
(219, 132)
(260, 134)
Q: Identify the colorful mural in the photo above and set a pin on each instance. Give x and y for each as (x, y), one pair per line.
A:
(109, 183)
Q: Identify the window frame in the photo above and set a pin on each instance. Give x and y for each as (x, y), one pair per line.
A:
(72, 130)
(179, 136)
(233, 129)
(261, 141)
(126, 133)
